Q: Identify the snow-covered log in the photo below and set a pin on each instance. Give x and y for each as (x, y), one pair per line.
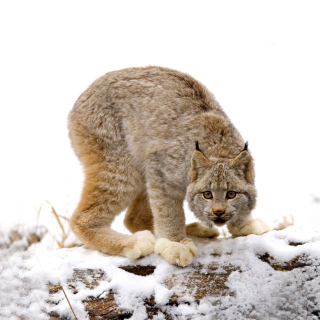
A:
(273, 276)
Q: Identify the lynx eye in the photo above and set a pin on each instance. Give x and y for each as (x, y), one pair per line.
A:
(231, 194)
(207, 195)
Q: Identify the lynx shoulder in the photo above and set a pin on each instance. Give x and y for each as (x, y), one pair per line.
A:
(147, 139)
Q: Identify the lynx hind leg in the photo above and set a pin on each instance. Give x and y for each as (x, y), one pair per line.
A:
(110, 186)
(143, 245)
(139, 215)
(197, 229)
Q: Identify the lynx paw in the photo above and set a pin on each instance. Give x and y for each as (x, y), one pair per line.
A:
(197, 229)
(255, 226)
(144, 245)
(180, 253)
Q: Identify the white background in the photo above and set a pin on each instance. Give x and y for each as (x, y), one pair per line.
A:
(259, 58)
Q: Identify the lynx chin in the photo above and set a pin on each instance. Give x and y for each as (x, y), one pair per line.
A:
(147, 139)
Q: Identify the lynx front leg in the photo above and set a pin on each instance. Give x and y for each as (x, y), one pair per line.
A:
(139, 217)
(248, 226)
(197, 229)
(170, 230)
(180, 253)
(169, 225)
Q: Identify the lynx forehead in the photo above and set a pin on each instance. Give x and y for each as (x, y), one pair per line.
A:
(134, 131)
(219, 172)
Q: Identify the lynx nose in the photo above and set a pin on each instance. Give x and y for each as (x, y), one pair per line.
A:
(219, 213)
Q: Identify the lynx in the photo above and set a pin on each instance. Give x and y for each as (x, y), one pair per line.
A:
(147, 139)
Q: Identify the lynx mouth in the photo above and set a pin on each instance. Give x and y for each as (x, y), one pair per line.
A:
(219, 222)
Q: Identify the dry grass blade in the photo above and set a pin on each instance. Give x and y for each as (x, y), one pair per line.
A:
(38, 214)
(58, 219)
(61, 246)
(60, 287)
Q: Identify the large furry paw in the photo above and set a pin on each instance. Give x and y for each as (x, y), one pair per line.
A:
(180, 253)
(255, 226)
(197, 229)
(144, 242)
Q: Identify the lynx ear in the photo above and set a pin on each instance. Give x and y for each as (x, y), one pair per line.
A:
(199, 163)
(243, 164)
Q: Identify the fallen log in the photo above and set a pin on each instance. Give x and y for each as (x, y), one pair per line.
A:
(246, 283)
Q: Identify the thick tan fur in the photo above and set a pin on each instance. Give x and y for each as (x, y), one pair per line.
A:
(134, 131)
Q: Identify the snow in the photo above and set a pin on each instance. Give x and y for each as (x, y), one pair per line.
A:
(259, 289)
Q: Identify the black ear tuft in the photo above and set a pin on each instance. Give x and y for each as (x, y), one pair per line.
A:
(197, 146)
(245, 147)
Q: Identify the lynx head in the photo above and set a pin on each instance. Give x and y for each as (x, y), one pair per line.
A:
(221, 190)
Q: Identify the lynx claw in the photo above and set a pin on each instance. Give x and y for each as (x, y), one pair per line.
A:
(197, 229)
(143, 246)
(180, 253)
(255, 226)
